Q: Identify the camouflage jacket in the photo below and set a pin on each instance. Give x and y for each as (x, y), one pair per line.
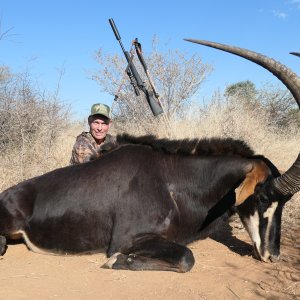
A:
(86, 148)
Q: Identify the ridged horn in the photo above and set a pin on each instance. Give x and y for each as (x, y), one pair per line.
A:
(295, 53)
(289, 183)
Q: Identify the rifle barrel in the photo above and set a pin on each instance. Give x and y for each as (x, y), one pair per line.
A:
(114, 28)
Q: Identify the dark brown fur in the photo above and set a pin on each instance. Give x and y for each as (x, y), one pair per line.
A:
(197, 147)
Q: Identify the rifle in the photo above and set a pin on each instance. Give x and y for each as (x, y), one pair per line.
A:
(135, 79)
(138, 49)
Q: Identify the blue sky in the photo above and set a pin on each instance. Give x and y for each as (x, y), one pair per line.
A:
(46, 37)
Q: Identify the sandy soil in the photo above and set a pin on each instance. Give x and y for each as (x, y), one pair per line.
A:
(224, 269)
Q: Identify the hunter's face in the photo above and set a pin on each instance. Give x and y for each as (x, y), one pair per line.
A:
(99, 128)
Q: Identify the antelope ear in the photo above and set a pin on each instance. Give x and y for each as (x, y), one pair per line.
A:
(258, 172)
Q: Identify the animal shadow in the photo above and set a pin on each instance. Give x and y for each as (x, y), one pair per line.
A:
(225, 235)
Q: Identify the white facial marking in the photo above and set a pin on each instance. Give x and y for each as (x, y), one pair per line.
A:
(269, 213)
(252, 226)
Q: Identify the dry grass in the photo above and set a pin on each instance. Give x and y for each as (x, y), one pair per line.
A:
(36, 159)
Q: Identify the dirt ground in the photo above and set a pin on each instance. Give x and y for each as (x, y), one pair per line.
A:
(224, 269)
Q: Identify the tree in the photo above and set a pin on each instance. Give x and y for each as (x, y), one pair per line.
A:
(242, 93)
(272, 101)
(4, 33)
(176, 77)
(280, 106)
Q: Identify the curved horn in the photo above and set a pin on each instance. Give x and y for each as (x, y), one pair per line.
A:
(295, 53)
(289, 183)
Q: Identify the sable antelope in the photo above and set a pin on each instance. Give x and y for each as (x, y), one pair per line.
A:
(144, 201)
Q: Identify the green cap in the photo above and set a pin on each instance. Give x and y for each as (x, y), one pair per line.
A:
(100, 109)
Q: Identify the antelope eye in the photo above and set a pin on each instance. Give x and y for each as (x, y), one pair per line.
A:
(264, 199)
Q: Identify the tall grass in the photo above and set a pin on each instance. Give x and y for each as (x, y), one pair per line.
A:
(36, 159)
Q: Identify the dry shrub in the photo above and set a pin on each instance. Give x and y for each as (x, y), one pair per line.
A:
(35, 131)
(36, 159)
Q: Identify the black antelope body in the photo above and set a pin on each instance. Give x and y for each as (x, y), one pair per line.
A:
(144, 201)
